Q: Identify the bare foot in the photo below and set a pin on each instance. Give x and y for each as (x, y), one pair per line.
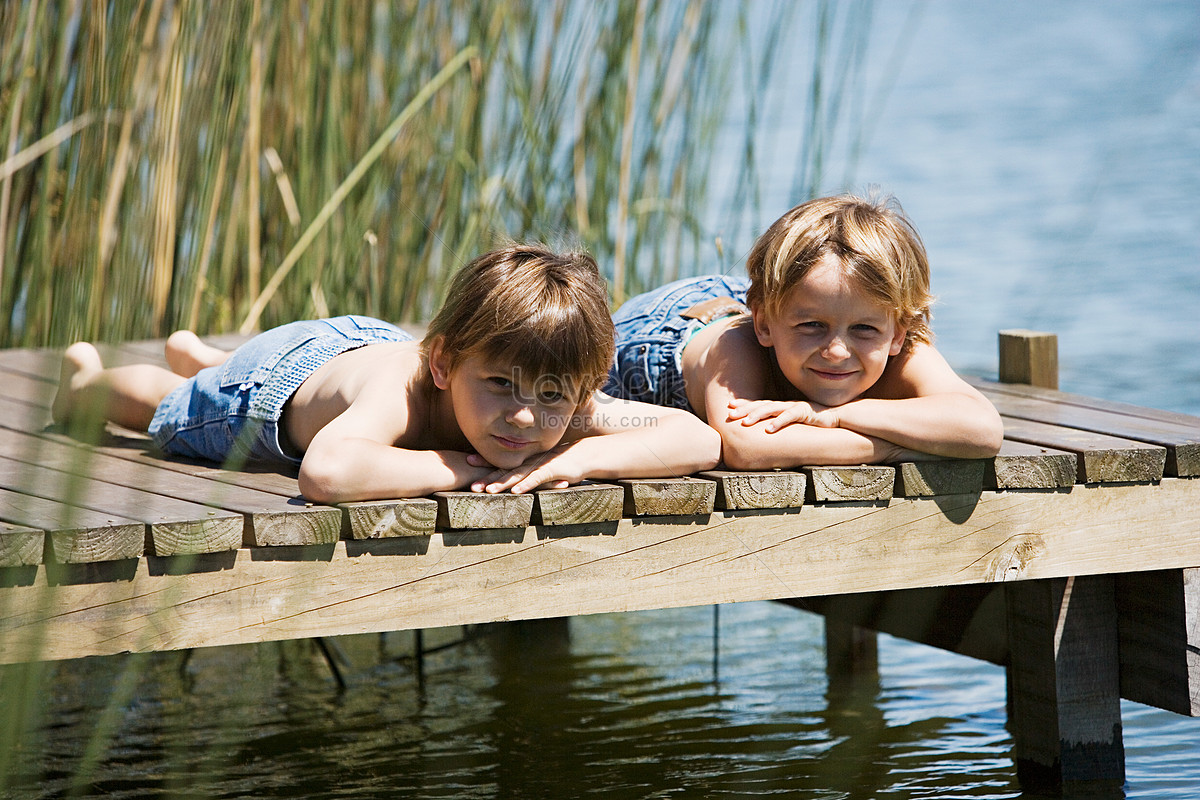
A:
(187, 355)
(80, 362)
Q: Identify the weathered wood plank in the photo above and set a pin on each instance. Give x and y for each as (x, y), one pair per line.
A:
(1182, 442)
(381, 519)
(1029, 357)
(730, 557)
(669, 497)
(20, 416)
(21, 546)
(1019, 465)
(168, 519)
(866, 483)
(935, 476)
(74, 534)
(274, 479)
(748, 490)
(576, 505)
(1084, 401)
(1064, 676)
(1102, 459)
(269, 518)
(481, 511)
(1159, 622)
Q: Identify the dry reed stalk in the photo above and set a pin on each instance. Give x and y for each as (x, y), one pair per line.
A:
(631, 87)
(14, 129)
(254, 147)
(108, 217)
(193, 318)
(343, 189)
(167, 177)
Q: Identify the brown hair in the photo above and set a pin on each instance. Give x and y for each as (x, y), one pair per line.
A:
(878, 247)
(541, 311)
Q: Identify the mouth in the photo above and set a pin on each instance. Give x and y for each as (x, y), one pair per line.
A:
(509, 443)
(833, 376)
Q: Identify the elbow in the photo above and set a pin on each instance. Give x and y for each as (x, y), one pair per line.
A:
(320, 481)
(735, 455)
(709, 449)
(990, 436)
(992, 439)
(984, 442)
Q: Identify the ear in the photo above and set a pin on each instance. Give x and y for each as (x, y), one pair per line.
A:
(439, 364)
(897, 340)
(762, 326)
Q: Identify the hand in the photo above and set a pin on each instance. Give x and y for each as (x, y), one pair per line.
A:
(548, 470)
(782, 413)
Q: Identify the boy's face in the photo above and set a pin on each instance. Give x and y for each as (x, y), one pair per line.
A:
(505, 415)
(832, 341)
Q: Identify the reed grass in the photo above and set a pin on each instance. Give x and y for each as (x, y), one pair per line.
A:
(243, 163)
(176, 165)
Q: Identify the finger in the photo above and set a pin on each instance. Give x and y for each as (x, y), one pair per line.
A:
(483, 483)
(531, 481)
(761, 412)
(791, 416)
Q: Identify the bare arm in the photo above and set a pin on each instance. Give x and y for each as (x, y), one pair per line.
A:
(343, 469)
(354, 456)
(923, 406)
(613, 438)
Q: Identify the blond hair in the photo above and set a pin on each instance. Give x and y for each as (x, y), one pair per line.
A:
(541, 311)
(875, 243)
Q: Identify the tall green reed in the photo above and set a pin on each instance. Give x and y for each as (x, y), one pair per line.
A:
(177, 163)
(163, 158)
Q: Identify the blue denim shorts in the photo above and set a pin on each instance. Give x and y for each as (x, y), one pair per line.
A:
(231, 412)
(651, 334)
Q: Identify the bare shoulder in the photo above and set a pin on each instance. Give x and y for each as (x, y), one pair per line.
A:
(372, 387)
(918, 372)
(726, 357)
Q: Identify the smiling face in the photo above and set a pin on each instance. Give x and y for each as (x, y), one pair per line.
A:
(504, 415)
(831, 340)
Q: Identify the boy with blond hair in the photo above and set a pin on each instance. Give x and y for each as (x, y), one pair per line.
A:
(501, 394)
(824, 356)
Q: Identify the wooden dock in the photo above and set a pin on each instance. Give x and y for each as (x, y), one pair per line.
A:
(1071, 558)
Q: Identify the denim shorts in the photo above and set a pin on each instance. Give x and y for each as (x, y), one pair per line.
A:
(651, 334)
(230, 413)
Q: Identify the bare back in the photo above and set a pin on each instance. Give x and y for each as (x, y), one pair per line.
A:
(386, 385)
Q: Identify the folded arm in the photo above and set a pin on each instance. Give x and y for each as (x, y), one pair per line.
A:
(343, 469)
(919, 404)
(612, 438)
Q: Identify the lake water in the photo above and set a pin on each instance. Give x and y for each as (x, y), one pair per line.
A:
(1050, 155)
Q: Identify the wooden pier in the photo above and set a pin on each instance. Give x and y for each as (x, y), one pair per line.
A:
(1071, 558)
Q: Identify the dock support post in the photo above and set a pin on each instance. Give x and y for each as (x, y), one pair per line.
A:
(850, 650)
(1065, 682)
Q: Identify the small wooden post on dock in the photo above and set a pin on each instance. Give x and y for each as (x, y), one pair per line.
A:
(1064, 666)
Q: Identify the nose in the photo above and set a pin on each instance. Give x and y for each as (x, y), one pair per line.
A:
(521, 417)
(835, 349)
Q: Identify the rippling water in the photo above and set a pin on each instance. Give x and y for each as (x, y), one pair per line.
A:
(1050, 155)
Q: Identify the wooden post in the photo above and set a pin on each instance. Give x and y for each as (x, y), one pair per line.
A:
(851, 651)
(1029, 357)
(1064, 675)
(1064, 668)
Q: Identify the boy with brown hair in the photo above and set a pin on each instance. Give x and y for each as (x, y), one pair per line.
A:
(824, 356)
(501, 394)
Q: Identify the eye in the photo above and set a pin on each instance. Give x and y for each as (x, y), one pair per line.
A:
(810, 326)
(866, 329)
(551, 398)
(500, 382)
